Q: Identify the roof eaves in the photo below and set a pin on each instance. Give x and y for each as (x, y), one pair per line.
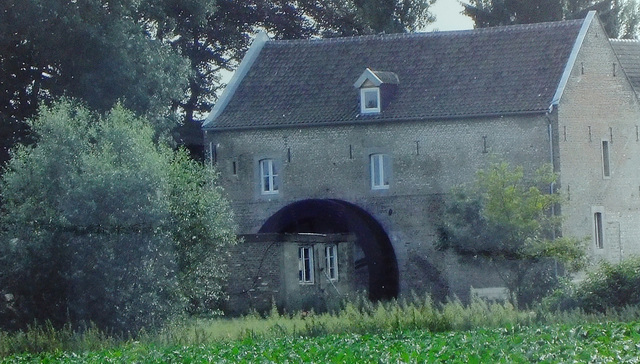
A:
(572, 59)
(380, 120)
(246, 63)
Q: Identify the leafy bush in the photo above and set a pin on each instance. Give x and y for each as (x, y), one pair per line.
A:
(507, 222)
(100, 225)
(609, 287)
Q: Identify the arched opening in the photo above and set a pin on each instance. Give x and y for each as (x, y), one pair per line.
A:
(336, 216)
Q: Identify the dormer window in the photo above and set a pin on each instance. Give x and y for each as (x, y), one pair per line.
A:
(370, 100)
(376, 90)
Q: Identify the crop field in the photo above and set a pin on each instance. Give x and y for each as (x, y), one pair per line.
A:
(610, 342)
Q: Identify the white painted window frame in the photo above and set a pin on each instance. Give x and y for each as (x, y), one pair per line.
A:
(363, 105)
(379, 176)
(305, 265)
(331, 261)
(268, 177)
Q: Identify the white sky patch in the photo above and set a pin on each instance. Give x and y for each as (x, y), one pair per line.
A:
(449, 16)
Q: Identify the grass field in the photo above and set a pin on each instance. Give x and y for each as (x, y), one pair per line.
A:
(398, 331)
(611, 342)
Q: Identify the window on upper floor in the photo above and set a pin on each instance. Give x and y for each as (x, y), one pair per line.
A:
(331, 261)
(305, 265)
(606, 164)
(380, 171)
(269, 182)
(374, 86)
(370, 100)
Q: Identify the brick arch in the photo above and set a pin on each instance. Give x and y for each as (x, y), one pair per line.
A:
(337, 216)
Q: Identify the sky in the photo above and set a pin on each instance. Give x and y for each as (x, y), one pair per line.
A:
(449, 17)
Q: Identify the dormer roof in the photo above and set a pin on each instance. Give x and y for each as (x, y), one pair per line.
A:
(455, 74)
(376, 78)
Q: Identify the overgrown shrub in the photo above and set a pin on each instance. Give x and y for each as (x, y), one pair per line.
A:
(102, 224)
(609, 287)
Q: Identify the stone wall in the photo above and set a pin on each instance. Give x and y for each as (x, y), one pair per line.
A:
(599, 105)
(263, 269)
(427, 159)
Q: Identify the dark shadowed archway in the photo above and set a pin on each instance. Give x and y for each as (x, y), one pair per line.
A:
(336, 216)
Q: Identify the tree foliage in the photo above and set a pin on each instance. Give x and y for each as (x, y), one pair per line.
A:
(507, 222)
(214, 37)
(95, 50)
(608, 287)
(621, 18)
(94, 222)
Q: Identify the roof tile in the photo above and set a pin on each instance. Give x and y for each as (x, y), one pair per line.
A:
(489, 71)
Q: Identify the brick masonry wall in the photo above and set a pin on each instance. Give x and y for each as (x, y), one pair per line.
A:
(599, 104)
(427, 159)
(263, 269)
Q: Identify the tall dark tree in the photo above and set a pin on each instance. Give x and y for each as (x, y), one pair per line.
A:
(92, 49)
(621, 18)
(214, 38)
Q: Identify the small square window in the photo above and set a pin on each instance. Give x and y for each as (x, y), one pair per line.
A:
(370, 100)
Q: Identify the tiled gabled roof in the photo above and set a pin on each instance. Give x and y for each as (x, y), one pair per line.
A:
(492, 71)
(628, 52)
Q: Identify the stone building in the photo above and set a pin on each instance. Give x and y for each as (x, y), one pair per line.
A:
(365, 136)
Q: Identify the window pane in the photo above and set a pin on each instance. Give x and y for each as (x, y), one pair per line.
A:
(268, 177)
(385, 169)
(305, 265)
(371, 99)
(380, 171)
(605, 158)
(375, 166)
(597, 217)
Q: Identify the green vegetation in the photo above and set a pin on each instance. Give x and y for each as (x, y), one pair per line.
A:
(609, 287)
(418, 331)
(619, 17)
(507, 222)
(102, 224)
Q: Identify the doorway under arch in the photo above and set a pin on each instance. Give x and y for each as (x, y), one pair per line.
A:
(329, 216)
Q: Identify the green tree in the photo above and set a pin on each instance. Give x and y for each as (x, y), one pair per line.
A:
(621, 18)
(507, 222)
(94, 224)
(95, 50)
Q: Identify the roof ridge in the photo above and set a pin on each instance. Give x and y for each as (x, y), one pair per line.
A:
(624, 40)
(435, 33)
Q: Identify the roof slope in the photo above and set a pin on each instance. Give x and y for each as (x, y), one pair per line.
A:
(628, 52)
(489, 71)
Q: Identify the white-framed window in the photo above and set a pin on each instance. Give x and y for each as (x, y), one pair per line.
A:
(606, 164)
(598, 232)
(369, 100)
(305, 265)
(331, 261)
(380, 170)
(268, 177)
